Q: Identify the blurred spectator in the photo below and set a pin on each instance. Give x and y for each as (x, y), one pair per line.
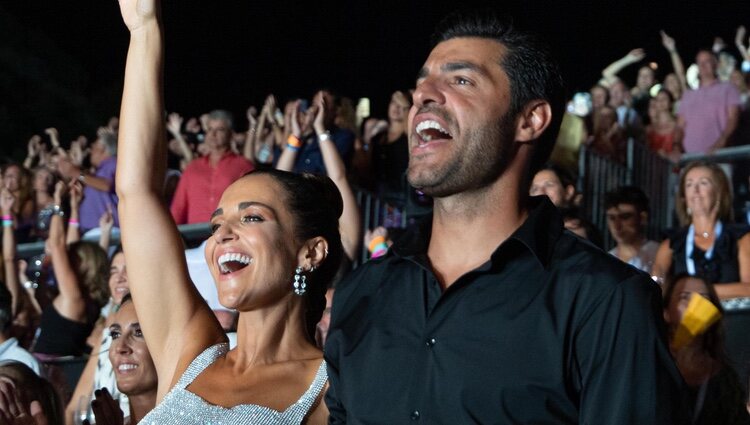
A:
(205, 178)
(663, 135)
(713, 385)
(608, 138)
(556, 183)
(626, 117)
(627, 210)
(709, 245)
(310, 158)
(44, 185)
(389, 147)
(81, 271)
(576, 222)
(27, 398)
(709, 114)
(99, 188)
(18, 181)
(9, 346)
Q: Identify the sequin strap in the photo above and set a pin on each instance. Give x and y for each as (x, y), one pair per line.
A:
(200, 363)
(297, 412)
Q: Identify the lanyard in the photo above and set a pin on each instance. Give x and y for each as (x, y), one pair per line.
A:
(690, 246)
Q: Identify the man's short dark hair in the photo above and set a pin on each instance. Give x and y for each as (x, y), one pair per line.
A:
(532, 71)
(630, 195)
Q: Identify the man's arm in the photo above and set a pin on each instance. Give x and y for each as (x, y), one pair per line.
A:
(733, 114)
(627, 375)
(679, 68)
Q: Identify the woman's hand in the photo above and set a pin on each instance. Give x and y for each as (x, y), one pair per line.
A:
(106, 222)
(14, 410)
(137, 13)
(106, 409)
(6, 201)
(60, 189)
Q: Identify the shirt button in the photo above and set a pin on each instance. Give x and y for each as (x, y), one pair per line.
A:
(415, 415)
(307, 161)
(430, 342)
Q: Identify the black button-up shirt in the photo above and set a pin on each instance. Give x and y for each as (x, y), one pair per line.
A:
(550, 330)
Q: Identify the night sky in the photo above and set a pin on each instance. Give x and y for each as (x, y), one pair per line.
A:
(62, 65)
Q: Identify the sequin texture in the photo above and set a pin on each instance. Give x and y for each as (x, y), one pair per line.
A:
(180, 406)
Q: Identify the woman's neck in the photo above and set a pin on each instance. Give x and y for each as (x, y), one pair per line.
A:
(273, 334)
(140, 405)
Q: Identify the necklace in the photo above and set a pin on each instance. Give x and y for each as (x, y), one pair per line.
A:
(706, 235)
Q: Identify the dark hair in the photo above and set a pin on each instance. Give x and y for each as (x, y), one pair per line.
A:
(713, 338)
(668, 93)
(316, 205)
(566, 179)
(528, 62)
(6, 308)
(33, 387)
(127, 298)
(592, 233)
(630, 195)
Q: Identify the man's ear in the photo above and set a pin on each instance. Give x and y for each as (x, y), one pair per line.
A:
(313, 252)
(534, 119)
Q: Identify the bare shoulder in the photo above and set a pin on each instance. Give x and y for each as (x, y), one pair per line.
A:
(319, 412)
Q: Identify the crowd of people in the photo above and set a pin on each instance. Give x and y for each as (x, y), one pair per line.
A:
(236, 328)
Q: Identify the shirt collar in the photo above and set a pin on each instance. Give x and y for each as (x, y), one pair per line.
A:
(538, 234)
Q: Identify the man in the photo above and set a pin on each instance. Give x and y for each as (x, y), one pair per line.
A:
(99, 195)
(310, 159)
(708, 115)
(205, 178)
(627, 217)
(490, 312)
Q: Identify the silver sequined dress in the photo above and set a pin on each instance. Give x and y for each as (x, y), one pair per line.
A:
(180, 406)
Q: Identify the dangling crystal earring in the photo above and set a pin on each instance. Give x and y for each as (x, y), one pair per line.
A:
(300, 286)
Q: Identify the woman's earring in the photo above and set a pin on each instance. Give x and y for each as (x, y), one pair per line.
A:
(300, 286)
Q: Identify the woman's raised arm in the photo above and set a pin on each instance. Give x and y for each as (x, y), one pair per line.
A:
(176, 322)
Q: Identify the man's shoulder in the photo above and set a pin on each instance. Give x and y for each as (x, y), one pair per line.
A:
(588, 266)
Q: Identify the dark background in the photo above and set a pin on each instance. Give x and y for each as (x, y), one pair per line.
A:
(61, 62)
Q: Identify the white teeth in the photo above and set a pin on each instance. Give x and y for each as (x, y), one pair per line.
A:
(232, 256)
(124, 367)
(430, 124)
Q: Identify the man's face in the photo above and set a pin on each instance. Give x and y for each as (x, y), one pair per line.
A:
(98, 153)
(617, 94)
(218, 135)
(459, 133)
(707, 65)
(625, 223)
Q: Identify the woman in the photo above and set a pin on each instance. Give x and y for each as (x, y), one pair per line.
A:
(44, 184)
(709, 245)
(663, 135)
(713, 386)
(81, 271)
(98, 372)
(17, 180)
(274, 246)
(556, 183)
(135, 372)
(20, 385)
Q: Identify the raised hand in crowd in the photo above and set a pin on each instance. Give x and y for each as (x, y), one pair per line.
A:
(75, 190)
(679, 68)
(14, 410)
(7, 201)
(106, 223)
(34, 150)
(739, 41)
(77, 153)
(178, 145)
(377, 241)
(609, 74)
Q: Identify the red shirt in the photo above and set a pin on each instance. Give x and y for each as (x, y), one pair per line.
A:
(201, 186)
